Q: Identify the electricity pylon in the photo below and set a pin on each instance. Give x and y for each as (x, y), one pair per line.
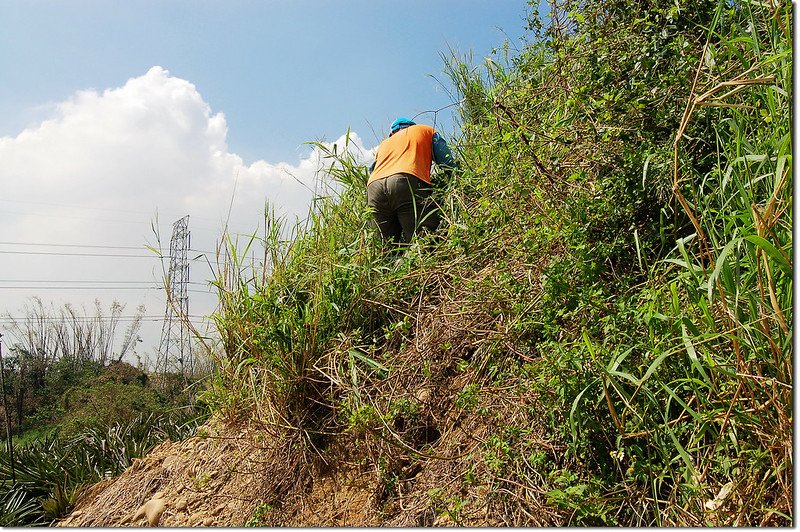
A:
(175, 351)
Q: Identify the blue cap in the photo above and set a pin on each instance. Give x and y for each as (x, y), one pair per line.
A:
(401, 123)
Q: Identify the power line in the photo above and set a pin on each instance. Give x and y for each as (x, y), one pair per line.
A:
(69, 281)
(81, 207)
(83, 281)
(85, 208)
(90, 288)
(89, 318)
(69, 245)
(64, 254)
(127, 255)
(34, 287)
(23, 321)
(39, 287)
(89, 218)
(96, 246)
(73, 217)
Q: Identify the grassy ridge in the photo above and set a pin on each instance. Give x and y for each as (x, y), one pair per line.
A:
(601, 333)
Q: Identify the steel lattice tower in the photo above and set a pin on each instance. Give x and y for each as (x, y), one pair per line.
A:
(175, 351)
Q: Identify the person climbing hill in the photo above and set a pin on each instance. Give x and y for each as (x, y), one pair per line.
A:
(399, 187)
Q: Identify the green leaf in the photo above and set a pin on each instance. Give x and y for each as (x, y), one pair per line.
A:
(682, 452)
(572, 424)
(653, 367)
(374, 364)
(687, 342)
(772, 251)
(720, 263)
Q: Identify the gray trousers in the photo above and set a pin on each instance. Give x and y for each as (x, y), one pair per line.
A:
(401, 204)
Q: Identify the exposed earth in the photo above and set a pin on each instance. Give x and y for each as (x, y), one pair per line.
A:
(221, 481)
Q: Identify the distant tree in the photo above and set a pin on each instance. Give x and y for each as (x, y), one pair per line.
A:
(66, 339)
(77, 336)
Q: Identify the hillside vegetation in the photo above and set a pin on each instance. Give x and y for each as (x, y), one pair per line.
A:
(599, 334)
(75, 412)
(88, 423)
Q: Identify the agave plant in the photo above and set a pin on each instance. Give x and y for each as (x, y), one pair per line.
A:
(17, 506)
(50, 473)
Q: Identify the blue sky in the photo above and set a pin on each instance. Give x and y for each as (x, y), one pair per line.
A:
(119, 115)
(283, 72)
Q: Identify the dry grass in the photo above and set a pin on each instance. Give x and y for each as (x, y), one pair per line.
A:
(216, 479)
(423, 458)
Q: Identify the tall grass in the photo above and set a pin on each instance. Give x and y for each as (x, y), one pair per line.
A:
(613, 272)
(677, 391)
(279, 314)
(719, 420)
(736, 269)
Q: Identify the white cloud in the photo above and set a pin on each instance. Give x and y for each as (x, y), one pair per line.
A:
(99, 168)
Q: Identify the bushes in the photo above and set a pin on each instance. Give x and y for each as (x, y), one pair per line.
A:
(89, 425)
(650, 302)
(606, 312)
(103, 404)
(710, 302)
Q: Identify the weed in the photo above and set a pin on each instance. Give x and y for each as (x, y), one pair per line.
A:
(260, 515)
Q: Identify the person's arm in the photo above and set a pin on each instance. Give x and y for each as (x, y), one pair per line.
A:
(442, 155)
(374, 162)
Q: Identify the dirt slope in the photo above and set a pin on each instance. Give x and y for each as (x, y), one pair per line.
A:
(221, 478)
(438, 441)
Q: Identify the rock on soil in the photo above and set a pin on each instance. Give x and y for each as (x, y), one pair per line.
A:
(217, 479)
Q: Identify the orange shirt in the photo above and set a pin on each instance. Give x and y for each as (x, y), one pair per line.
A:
(408, 151)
